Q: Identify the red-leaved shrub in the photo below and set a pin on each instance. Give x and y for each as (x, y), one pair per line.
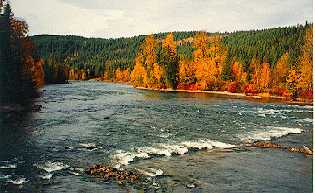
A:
(249, 89)
(280, 91)
(306, 94)
(232, 87)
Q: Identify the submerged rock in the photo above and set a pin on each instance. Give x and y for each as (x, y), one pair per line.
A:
(110, 173)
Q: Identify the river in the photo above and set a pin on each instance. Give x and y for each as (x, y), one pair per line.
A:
(182, 142)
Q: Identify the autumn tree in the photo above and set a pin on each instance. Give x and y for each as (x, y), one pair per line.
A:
(209, 56)
(122, 75)
(306, 61)
(280, 71)
(158, 74)
(146, 73)
(238, 73)
(138, 76)
(293, 81)
(22, 73)
(262, 77)
(186, 73)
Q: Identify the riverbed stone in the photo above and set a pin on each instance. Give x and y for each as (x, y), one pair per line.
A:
(266, 144)
(110, 173)
(305, 150)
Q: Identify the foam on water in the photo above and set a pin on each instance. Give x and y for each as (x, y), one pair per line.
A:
(8, 166)
(271, 132)
(4, 176)
(52, 166)
(275, 112)
(121, 157)
(151, 172)
(88, 145)
(46, 176)
(18, 181)
(309, 120)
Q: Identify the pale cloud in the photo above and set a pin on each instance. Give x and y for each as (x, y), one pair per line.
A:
(116, 18)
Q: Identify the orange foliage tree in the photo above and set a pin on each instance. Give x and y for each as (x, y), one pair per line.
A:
(31, 68)
(122, 75)
(238, 73)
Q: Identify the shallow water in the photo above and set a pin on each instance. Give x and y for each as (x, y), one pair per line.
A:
(163, 135)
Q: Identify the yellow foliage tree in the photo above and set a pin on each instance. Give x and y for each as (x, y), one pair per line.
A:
(186, 72)
(292, 81)
(306, 61)
(238, 73)
(142, 74)
(158, 74)
(280, 71)
(209, 57)
(138, 76)
(264, 77)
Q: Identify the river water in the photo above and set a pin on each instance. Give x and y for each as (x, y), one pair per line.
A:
(182, 142)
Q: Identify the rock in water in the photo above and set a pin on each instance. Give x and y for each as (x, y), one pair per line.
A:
(110, 173)
(266, 144)
(305, 150)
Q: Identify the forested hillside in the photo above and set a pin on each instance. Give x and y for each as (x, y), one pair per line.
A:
(275, 61)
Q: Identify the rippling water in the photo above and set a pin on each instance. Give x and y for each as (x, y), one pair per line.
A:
(160, 135)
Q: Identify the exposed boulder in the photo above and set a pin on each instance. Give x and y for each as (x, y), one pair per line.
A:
(305, 150)
(266, 144)
(110, 173)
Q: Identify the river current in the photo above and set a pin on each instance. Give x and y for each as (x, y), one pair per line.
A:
(182, 142)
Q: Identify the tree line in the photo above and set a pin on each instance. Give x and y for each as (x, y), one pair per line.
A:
(274, 61)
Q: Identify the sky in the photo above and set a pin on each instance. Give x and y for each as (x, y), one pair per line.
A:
(125, 18)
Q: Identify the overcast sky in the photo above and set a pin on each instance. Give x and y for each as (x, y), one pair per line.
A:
(117, 18)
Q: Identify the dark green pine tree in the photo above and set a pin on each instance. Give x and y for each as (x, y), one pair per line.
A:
(170, 61)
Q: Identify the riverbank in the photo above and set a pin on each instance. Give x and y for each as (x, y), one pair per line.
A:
(262, 97)
(298, 101)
